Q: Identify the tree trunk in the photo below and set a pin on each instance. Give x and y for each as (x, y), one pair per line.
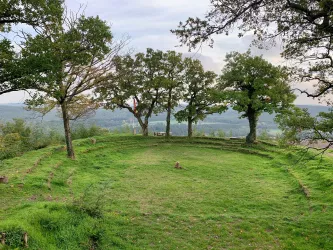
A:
(69, 144)
(145, 130)
(143, 125)
(253, 120)
(168, 119)
(189, 128)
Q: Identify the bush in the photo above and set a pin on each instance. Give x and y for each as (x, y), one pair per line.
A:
(124, 129)
(80, 131)
(19, 136)
(198, 133)
(221, 133)
(212, 133)
(92, 201)
(264, 135)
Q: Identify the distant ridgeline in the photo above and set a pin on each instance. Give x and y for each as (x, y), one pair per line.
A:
(229, 121)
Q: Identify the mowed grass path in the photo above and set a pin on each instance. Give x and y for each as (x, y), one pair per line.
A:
(227, 196)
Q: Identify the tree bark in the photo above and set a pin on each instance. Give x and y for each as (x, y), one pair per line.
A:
(145, 130)
(168, 119)
(189, 128)
(68, 138)
(253, 120)
(143, 125)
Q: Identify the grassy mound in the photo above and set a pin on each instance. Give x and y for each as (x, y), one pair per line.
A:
(124, 193)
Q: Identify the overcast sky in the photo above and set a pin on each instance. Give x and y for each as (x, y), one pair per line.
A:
(148, 23)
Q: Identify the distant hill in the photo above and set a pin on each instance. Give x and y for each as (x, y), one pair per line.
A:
(228, 121)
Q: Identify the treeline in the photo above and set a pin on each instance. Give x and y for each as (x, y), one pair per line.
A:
(154, 82)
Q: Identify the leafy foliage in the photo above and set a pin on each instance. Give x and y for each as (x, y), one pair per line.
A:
(81, 131)
(252, 86)
(75, 54)
(18, 137)
(305, 28)
(173, 67)
(31, 12)
(14, 72)
(199, 94)
(141, 79)
(299, 126)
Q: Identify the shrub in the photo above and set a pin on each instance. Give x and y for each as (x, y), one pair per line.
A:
(212, 133)
(221, 133)
(264, 135)
(92, 201)
(80, 131)
(124, 129)
(14, 236)
(18, 137)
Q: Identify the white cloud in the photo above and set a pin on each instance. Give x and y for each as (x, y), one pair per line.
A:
(14, 97)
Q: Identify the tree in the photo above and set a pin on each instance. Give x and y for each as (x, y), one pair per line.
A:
(139, 78)
(10, 69)
(173, 84)
(299, 127)
(304, 26)
(252, 86)
(75, 55)
(31, 12)
(199, 94)
(37, 13)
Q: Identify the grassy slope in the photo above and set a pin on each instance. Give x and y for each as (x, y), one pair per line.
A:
(227, 197)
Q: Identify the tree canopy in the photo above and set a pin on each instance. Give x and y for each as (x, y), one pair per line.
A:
(173, 67)
(199, 94)
(299, 127)
(140, 78)
(305, 28)
(31, 12)
(37, 13)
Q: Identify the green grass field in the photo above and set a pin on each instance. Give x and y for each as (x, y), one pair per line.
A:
(124, 193)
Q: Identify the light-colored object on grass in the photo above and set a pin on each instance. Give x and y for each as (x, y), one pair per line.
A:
(3, 238)
(234, 138)
(160, 133)
(3, 179)
(178, 165)
(93, 141)
(25, 239)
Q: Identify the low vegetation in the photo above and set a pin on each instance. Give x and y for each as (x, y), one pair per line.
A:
(123, 192)
(19, 136)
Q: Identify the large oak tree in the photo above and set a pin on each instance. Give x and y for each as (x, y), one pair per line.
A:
(140, 78)
(252, 86)
(173, 67)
